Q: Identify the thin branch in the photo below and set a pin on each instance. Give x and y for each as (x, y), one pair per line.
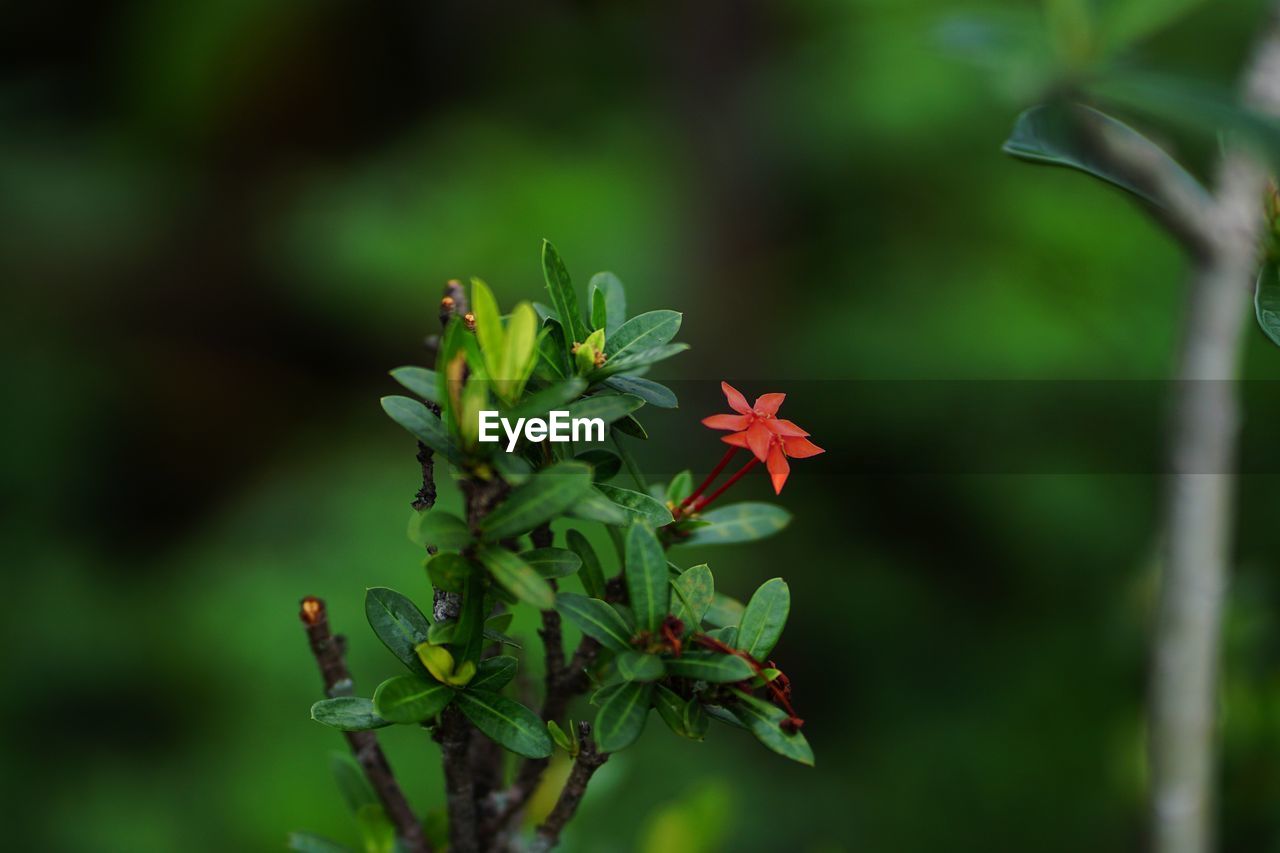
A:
(589, 760)
(328, 650)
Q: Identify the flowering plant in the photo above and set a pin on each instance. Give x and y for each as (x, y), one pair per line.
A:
(654, 634)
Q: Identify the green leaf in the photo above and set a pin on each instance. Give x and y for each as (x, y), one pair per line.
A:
(352, 783)
(651, 392)
(468, 638)
(605, 464)
(563, 297)
(599, 315)
(741, 522)
(425, 426)
(559, 737)
(552, 562)
(1051, 135)
(644, 332)
(615, 300)
(1266, 301)
(1128, 21)
(630, 426)
(546, 495)
(727, 634)
(520, 353)
(607, 407)
(764, 618)
(724, 611)
(591, 574)
(305, 842)
(555, 396)
(449, 571)
(398, 623)
(694, 591)
(517, 577)
(410, 699)
(348, 713)
(638, 666)
(494, 673)
(376, 829)
(765, 722)
(683, 716)
(488, 328)
(594, 506)
(439, 529)
(622, 715)
(635, 360)
(506, 722)
(596, 619)
(420, 381)
(646, 576)
(710, 666)
(680, 487)
(638, 505)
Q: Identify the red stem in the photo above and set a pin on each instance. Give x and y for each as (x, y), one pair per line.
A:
(705, 502)
(711, 478)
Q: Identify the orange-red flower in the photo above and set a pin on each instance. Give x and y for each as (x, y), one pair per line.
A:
(757, 428)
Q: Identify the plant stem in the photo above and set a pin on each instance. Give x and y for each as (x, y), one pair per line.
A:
(328, 651)
(454, 734)
(589, 760)
(705, 502)
(711, 478)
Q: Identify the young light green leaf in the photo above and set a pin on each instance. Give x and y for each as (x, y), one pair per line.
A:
(489, 330)
(596, 619)
(680, 487)
(348, 713)
(398, 623)
(591, 574)
(615, 301)
(506, 722)
(494, 673)
(643, 332)
(710, 666)
(520, 352)
(437, 528)
(764, 618)
(694, 591)
(638, 505)
(410, 699)
(563, 297)
(653, 393)
(420, 381)
(425, 426)
(544, 496)
(765, 722)
(552, 562)
(607, 407)
(622, 715)
(638, 666)
(646, 576)
(741, 522)
(517, 577)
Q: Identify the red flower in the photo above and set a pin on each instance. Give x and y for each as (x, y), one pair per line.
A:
(757, 428)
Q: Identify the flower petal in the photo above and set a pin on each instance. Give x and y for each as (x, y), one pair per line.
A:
(737, 439)
(767, 404)
(733, 422)
(737, 402)
(759, 439)
(779, 468)
(783, 427)
(800, 448)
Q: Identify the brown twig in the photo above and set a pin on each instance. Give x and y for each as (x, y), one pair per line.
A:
(454, 736)
(589, 760)
(328, 650)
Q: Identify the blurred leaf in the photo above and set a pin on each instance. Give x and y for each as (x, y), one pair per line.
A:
(545, 495)
(555, 396)
(352, 784)
(724, 611)
(764, 619)
(598, 310)
(517, 577)
(740, 522)
(680, 487)
(594, 506)
(727, 634)
(1266, 301)
(494, 673)
(643, 332)
(710, 666)
(622, 715)
(591, 574)
(615, 300)
(605, 465)
(694, 592)
(468, 638)
(513, 468)
(699, 820)
(639, 505)
(765, 722)
(646, 576)
(596, 619)
(632, 427)
(520, 353)
(305, 842)
(633, 360)
(638, 666)
(607, 407)
(449, 571)
(398, 623)
(348, 713)
(410, 698)
(377, 831)
(1128, 21)
(1051, 135)
(425, 426)
(651, 392)
(506, 722)
(562, 294)
(419, 380)
(552, 562)
(440, 529)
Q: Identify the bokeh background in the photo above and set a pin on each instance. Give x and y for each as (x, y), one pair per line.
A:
(223, 221)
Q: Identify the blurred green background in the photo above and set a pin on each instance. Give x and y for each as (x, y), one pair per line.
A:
(223, 221)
